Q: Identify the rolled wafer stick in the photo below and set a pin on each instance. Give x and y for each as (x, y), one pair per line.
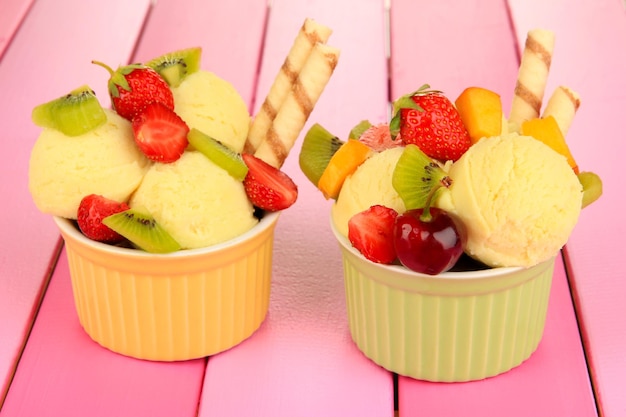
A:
(310, 33)
(532, 76)
(563, 105)
(298, 105)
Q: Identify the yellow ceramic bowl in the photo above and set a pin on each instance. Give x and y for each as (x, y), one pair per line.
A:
(177, 306)
(456, 326)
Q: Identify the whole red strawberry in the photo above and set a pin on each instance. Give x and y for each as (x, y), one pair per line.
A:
(428, 119)
(133, 87)
(92, 209)
(371, 233)
(267, 187)
(160, 133)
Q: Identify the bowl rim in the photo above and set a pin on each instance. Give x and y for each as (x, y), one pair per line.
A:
(68, 227)
(489, 273)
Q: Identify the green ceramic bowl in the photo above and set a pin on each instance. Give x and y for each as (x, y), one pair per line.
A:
(453, 327)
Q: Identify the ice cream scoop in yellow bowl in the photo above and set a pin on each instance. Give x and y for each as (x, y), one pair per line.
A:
(450, 327)
(176, 306)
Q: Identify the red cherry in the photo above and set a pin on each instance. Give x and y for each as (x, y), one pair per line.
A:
(428, 244)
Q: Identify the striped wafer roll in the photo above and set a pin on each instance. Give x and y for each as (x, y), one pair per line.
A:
(563, 105)
(532, 76)
(298, 105)
(310, 33)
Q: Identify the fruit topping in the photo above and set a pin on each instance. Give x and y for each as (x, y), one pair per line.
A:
(417, 178)
(72, 114)
(218, 153)
(160, 133)
(378, 137)
(142, 230)
(428, 240)
(357, 131)
(547, 130)
(133, 87)
(318, 146)
(481, 112)
(92, 209)
(343, 163)
(175, 66)
(592, 187)
(371, 233)
(267, 187)
(429, 120)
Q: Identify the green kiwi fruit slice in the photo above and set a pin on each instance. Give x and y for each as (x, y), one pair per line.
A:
(73, 114)
(175, 66)
(142, 230)
(416, 178)
(359, 129)
(218, 153)
(592, 187)
(318, 146)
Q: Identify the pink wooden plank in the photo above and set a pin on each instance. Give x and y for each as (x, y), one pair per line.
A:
(64, 373)
(46, 60)
(590, 56)
(230, 34)
(13, 13)
(464, 44)
(302, 361)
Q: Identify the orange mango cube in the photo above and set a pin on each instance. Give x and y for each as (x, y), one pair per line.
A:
(481, 112)
(547, 130)
(343, 163)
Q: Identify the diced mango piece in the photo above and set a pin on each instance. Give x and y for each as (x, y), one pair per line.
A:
(481, 112)
(343, 163)
(547, 130)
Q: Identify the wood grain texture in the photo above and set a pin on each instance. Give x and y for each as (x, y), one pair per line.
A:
(13, 12)
(473, 43)
(46, 60)
(302, 361)
(65, 373)
(590, 57)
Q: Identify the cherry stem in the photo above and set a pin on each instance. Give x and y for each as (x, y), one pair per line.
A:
(444, 183)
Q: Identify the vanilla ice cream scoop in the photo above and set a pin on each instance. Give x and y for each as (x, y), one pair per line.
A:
(213, 106)
(369, 185)
(105, 160)
(518, 199)
(196, 201)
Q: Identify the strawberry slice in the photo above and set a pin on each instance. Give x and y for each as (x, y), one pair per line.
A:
(160, 133)
(267, 187)
(371, 233)
(91, 210)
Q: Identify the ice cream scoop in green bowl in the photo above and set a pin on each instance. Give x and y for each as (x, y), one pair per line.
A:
(517, 203)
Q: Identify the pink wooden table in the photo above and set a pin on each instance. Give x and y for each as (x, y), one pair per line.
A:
(302, 361)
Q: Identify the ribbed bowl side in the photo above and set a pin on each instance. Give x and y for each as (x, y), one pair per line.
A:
(188, 308)
(447, 338)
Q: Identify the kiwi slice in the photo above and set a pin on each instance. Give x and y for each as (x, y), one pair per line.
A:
(318, 146)
(358, 130)
(218, 153)
(73, 114)
(142, 230)
(416, 178)
(175, 66)
(592, 187)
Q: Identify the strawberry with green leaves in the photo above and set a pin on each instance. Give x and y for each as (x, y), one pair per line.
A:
(428, 119)
(133, 87)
